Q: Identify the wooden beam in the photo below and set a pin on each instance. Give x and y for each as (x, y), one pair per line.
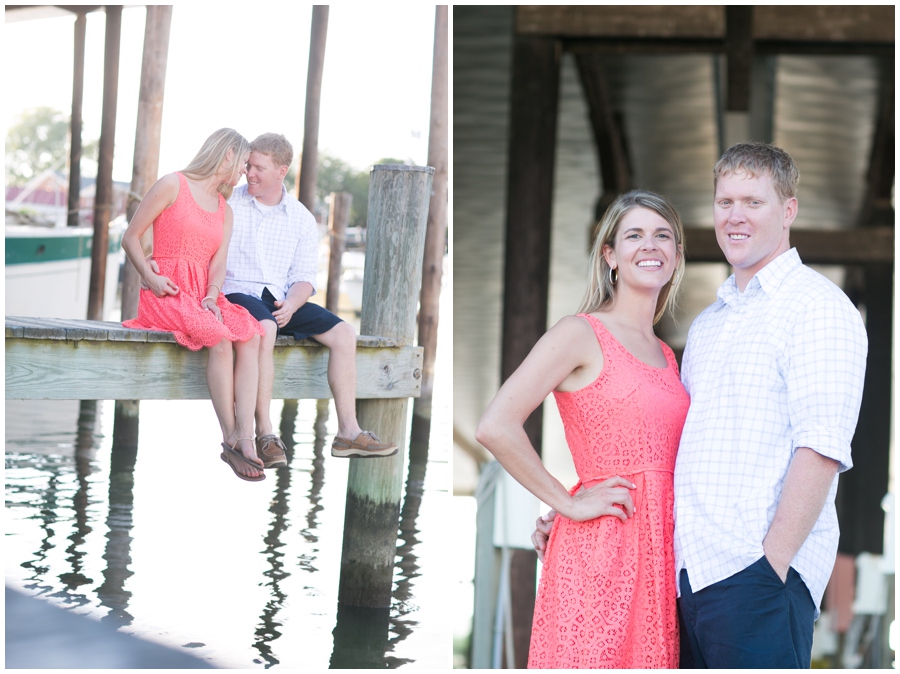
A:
(877, 206)
(532, 148)
(638, 21)
(609, 136)
(739, 57)
(532, 132)
(825, 23)
(816, 246)
(59, 359)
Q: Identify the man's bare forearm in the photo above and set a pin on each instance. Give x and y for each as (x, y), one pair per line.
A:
(803, 496)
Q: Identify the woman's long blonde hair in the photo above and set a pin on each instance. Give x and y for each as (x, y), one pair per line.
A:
(600, 292)
(212, 156)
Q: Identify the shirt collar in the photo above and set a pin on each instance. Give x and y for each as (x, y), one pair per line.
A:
(244, 194)
(767, 279)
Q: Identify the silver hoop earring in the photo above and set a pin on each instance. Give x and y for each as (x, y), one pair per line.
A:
(675, 279)
(613, 279)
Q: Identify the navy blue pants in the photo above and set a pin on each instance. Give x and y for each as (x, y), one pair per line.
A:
(749, 620)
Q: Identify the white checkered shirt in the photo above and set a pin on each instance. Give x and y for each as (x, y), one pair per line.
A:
(777, 367)
(273, 250)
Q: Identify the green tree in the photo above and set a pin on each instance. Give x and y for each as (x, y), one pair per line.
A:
(37, 142)
(336, 175)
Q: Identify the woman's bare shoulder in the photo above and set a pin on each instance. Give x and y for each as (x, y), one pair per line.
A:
(573, 327)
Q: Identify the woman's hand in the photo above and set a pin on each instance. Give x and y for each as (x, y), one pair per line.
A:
(610, 497)
(161, 285)
(210, 305)
(542, 528)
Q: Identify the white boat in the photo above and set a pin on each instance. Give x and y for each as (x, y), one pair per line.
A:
(48, 270)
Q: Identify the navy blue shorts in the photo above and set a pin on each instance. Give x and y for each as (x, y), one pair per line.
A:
(308, 320)
(750, 620)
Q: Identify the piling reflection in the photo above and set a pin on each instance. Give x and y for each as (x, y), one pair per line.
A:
(119, 522)
(85, 452)
(60, 492)
(39, 565)
(360, 638)
(317, 481)
(268, 630)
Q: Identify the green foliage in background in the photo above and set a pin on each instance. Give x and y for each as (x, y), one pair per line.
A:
(336, 175)
(37, 142)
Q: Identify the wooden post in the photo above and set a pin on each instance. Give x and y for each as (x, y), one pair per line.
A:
(435, 239)
(75, 123)
(398, 208)
(144, 173)
(338, 217)
(103, 195)
(534, 102)
(309, 159)
(147, 135)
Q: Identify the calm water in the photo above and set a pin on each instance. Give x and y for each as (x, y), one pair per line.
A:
(167, 544)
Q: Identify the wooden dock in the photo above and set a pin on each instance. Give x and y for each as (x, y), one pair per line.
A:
(63, 359)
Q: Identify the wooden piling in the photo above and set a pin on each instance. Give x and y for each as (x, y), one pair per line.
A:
(435, 238)
(148, 133)
(104, 192)
(143, 175)
(398, 208)
(338, 216)
(309, 157)
(72, 218)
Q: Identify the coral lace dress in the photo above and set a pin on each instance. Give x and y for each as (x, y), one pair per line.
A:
(185, 237)
(606, 597)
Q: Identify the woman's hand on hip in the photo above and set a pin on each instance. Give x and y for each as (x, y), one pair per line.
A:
(610, 497)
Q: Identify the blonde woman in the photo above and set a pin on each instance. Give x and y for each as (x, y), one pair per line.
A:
(607, 591)
(182, 294)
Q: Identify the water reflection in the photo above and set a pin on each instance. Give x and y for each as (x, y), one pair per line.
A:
(119, 521)
(54, 481)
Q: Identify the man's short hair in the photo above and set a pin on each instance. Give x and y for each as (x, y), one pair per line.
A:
(760, 159)
(276, 146)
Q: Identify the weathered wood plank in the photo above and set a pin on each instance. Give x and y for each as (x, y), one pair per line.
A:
(56, 369)
(664, 21)
(60, 359)
(825, 23)
(859, 25)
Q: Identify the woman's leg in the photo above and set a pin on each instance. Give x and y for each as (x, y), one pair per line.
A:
(246, 385)
(220, 378)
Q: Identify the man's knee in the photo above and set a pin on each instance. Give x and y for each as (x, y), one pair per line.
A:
(342, 336)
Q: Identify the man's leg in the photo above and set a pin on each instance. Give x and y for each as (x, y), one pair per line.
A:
(341, 343)
(351, 440)
(751, 620)
(266, 378)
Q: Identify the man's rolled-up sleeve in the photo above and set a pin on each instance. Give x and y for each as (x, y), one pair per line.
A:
(825, 375)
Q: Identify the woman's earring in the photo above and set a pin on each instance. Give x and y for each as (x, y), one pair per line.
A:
(613, 279)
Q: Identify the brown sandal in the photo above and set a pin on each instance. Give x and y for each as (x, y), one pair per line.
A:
(232, 452)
